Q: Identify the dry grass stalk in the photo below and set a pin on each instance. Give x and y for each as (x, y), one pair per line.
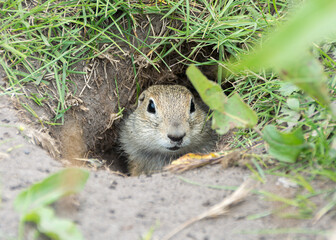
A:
(219, 209)
(191, 161)
(227, 158)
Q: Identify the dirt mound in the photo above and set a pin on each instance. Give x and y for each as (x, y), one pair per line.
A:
(129, 207)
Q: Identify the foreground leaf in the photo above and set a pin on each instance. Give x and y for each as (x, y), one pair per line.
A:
(313, 22)
(237, 114)
(288, 88)
(285, 147)
(210, 92)
(308, 75)
(62, 183)
(285, 49)
(52, 226)
(228, 113)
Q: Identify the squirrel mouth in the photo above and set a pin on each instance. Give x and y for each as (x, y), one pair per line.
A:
(174, 148)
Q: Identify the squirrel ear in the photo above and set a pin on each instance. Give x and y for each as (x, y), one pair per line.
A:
(141, 98)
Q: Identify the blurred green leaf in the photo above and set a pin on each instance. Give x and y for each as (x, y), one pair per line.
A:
(62, 183)
(237, 114)
(290, 117)
(288, 88)
(293, 103)
(284, 147)
(285, 49)
(52, 226)
(308, 75)
(313, 22)
(227, 112)
(210, 92)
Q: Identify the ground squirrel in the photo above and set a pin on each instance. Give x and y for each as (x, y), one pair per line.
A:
(167, 123)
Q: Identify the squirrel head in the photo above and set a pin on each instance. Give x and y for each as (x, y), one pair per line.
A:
(169, 116)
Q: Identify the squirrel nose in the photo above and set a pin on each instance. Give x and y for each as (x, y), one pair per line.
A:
(176, 132)
(176, 138)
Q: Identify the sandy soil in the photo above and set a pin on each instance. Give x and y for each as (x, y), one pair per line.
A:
(116, 207)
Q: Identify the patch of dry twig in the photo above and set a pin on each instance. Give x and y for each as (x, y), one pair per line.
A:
(191, 161)
(238, 157)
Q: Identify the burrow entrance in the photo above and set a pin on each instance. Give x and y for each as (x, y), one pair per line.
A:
(99, 101)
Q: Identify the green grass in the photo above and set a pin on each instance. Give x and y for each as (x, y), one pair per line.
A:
(41, 44)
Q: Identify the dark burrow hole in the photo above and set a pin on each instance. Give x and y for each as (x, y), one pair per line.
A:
(115, 163)
(79, 146)
(108, 149)
(115, 159)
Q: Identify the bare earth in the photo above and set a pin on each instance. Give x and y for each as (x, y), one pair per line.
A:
(116, 207)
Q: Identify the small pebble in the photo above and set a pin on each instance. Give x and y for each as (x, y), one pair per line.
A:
(113, 185)
(140, 215)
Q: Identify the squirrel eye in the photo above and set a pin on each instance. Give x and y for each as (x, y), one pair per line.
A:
(151, 107)
(192, 106)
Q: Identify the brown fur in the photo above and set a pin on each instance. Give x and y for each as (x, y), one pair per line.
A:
(146, 136)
